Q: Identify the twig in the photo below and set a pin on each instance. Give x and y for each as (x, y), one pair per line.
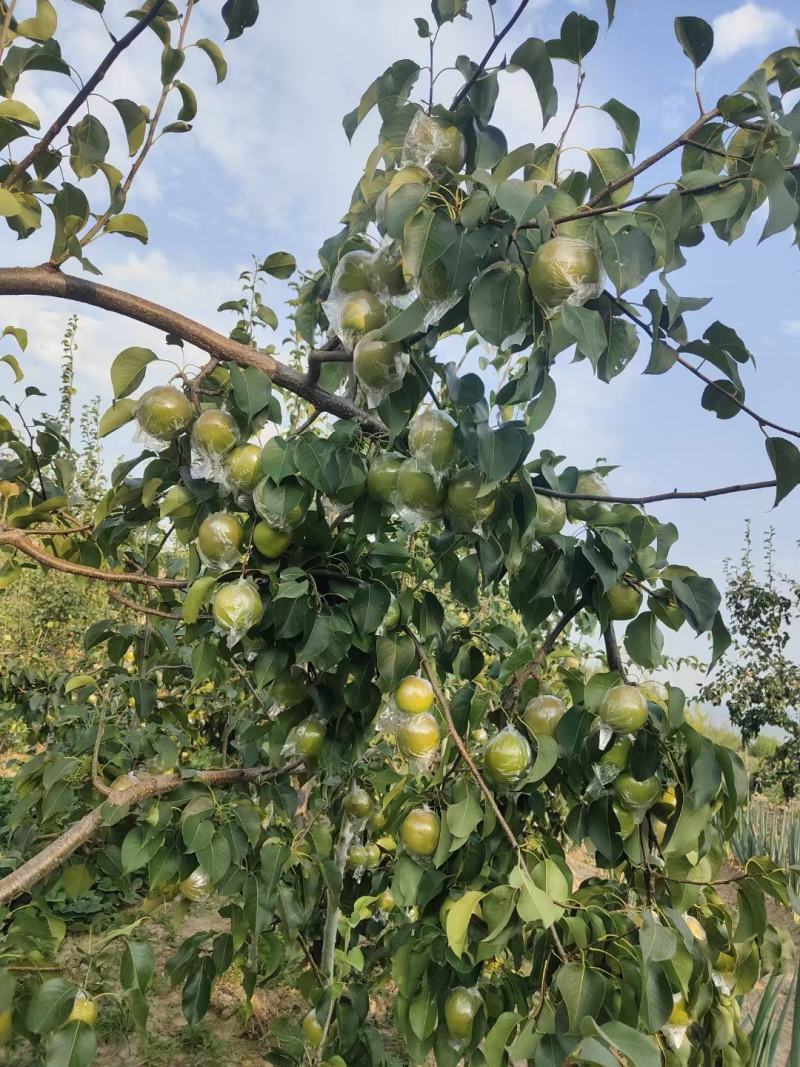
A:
(17, 539)
(49, 281)
(613, 653)
(572, 114)
(533, 669)
(122, 193)
(654, 498)
(306, 423)
(331, 352)
(762, 422)
(458, 741)
(428, 387)
(143, 609)
(10, 5)
(88, 88)
(97, 778)
(54, 854)
(498, 37)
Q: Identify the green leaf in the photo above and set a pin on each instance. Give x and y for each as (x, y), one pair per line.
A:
(458, 919)
(700, 600)
(696, 38)
(395, 657)
(626, 120)
(536, 904)
(89, 145)
(388, 92)
(638, 1049)
(496, 1040)
(785, 459)
(43, 24)
(196, 995)
(134, 119)
(546, 758)
(115, 416)
(19, 112)
(500, 302)
(644, 640)
(532, 57)
(137, 965)
(781, 189)
(426, 238)
(523, 200)
(239, 15)
(501, 450)
(77, 880)
(128, 225)
(50, 1005)
(609, 165)
(628, 257)
(214, 53)
(578, 38)
(251, 389)
(188, 102)
(215, 857)
(74, 1046)
(13, 363)
(197, 595)
(127, 370)
(369, 606)
(586, 328)
(582, 990)
(280, 265)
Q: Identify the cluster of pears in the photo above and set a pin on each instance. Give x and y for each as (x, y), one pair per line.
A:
(366, 813)
(414, 725)
(419, 485)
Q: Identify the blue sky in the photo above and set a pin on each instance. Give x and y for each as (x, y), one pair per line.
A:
(267, 167)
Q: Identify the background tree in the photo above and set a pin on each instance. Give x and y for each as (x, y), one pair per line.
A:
(758, 683)
(397, 790)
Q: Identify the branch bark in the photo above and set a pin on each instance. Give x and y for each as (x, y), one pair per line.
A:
(498, 37)
(458, 741)
(17, 540)
(533, 669)
(654, 498)
(142, 609)
(656, 157)
(81, 97)
(46, 280)
(54, 854)
(613, 654)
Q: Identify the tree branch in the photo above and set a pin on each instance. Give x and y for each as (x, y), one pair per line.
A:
(498, 37)
(458, 741)
(762, 422)
(533, 669)
(49, 281)
(613, 654)
(54, 854)
(80, 98)
(676, 494)
(142, 609)
(629, 175)
(17, 540)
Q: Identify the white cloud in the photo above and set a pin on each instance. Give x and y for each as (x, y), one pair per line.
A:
(747, 26)
(792, 327)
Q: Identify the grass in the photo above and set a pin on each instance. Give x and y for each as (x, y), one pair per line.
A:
(766, 830)
(198, 1043)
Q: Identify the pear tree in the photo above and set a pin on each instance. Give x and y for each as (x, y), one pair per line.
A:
(395, 793)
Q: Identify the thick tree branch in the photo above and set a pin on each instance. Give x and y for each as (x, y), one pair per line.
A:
(675, 494)
(612, 652)
(650, 161)
(16, 539)
(54, 854)
(49, 281)
(498, 37)
(762, 422)
(81, 97)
